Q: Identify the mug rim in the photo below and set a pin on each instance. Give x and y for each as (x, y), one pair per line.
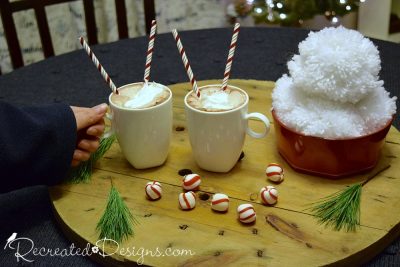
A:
(140, 109)
(218, 112)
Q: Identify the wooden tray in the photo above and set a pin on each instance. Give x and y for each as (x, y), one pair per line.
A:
(283, 235)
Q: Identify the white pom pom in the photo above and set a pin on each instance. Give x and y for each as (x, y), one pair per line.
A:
(191, 182)
(220, 202)
(315, 116)
(187, 200)
(274, 172)
(246, 213)
(269, 195)
(336, 64)
(153, 190)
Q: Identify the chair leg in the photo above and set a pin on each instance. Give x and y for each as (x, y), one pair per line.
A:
(11, 34)
(149, 13)
(120, 9)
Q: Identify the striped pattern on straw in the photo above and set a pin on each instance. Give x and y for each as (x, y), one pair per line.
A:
(99, 67)
(230, 56)
(186, 63)
(150, 50)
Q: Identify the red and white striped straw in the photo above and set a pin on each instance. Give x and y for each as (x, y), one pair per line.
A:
(100, 68)
(150, 50)
(230, 56)
(186, 63)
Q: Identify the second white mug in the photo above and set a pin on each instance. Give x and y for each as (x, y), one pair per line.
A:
(217, 138)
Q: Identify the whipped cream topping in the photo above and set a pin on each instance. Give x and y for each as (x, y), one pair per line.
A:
(217, 100)
(146, 96)
(213, 99)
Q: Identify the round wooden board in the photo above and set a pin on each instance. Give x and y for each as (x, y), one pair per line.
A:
(283, 235)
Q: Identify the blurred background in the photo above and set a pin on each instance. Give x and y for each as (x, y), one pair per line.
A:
(374, 18)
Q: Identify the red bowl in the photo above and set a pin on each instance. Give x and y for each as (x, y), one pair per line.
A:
(331, 158)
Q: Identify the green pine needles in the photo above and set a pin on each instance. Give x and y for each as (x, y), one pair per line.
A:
(117, 221)
(341, 210)
(83, 172)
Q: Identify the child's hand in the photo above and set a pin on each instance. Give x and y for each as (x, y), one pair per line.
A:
(90, 126)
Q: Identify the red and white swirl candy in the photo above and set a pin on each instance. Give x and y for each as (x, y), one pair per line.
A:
(191, 182)
(269, 195)
(187, 200)
(220, 202)
(153, 190)
(246, 213)
(274, 172)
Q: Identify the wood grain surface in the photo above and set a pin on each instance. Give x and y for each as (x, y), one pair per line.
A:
(283, 235)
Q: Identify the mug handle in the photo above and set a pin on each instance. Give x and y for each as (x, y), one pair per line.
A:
(111, 130)
(262, 118)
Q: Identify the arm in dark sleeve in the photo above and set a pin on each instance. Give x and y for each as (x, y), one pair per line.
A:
(36, 144)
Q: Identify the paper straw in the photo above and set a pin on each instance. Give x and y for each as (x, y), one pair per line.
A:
(186, 63)
(230, 56)
(150, 49)
(100, 68)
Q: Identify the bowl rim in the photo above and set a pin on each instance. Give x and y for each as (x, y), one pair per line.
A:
(388, 124)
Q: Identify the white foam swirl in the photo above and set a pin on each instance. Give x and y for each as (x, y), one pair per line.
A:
(217, 100)
(146, 96)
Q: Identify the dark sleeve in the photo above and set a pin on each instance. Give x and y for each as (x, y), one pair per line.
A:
(36, 145)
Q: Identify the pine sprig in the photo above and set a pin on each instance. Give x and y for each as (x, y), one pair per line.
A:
(117, 221)
(341, 210)
(83, 172)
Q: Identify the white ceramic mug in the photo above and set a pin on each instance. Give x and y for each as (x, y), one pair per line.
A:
(217, 138)
(144, 134)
